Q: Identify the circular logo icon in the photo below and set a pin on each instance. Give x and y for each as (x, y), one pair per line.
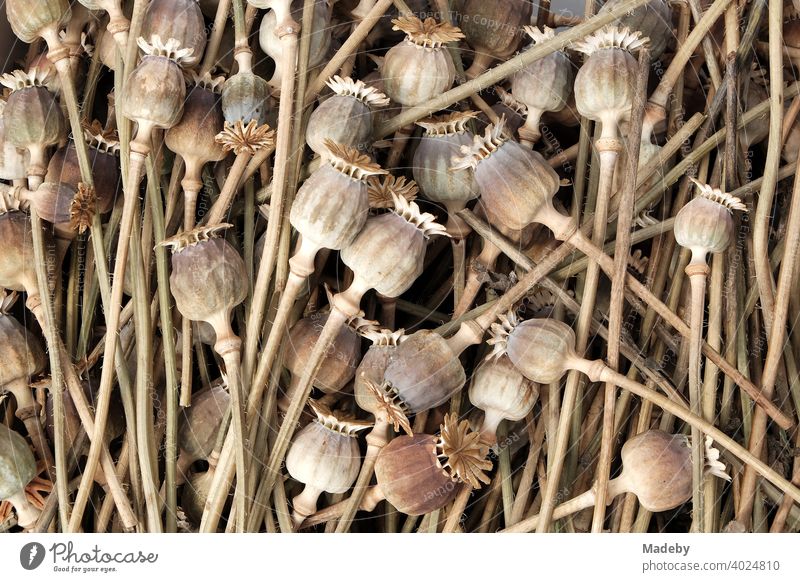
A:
(31, 555)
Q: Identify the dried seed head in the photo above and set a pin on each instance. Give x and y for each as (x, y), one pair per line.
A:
(184, 240)
(388, 404)
(350, 161)
(345, 425)
(386, 337)
(714, 194)
(347, 87)
(240, 138)
(29, 17)
(100, 138)
(500, 333)
(461, 452)
(20, 79)
(381, 191)
(428, 33)
(17, 465)
(207, 81)
(611, 37)
(501, 390)
(82, 208)
(181, 19)
(170, 49)
(705, 223)
(507, 99)
(199, 423)
(455, 122)
(539, 35)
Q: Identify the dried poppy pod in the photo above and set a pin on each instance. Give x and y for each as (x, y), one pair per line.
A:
(154, 95)
(208, 280)
(517, 184)
(339, 365)
(373, 365)
(388, 253)
(194, 139)
(419, 68)
(653, 20)
(324, 456)
(104, 158)
(16, 261)
(422, 473)
(195, 494)
(604, 85)
(509, 107)
(705, 224)
(345, 117)
(13, 162)
(245, 98)
(275, 23)
(544, 85)
(53, 203)
(443, 138)
(118, 24)
(17, 469)
(502, 392)
(178, 19)
(32, 118)
(492, 29)
(23, 358)
(198, 426)
(656, 467)
(424, 372)
(30, 19)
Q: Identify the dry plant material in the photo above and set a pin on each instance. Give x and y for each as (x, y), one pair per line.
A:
(17, 470)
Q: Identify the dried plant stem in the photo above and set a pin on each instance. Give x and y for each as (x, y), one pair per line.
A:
(480, 266)
(378, 437)
(288, 37)
(776, 335)
(459, 268)
(220, 209)
(496, 74)
(348, 48)
(43, 278)
(215, 40)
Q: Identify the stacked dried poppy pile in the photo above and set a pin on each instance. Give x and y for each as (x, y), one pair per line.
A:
(388, 265)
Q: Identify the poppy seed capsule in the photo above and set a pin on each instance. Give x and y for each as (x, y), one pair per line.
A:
(17, 271)
(345, 117)
(502, 392)
(208, 277)
(178, 19)
(420, 67)
(517, 184)
(544, 85)
(605, 83)
(424, 372)
(542, 349)
(324, 456)
(32, 117)
(17, 469)
(422, 473)
(154, 94)
(442, 140)
(653, 20)
(388, 254)
(492, 29)
(13, 163)
(332, 205)
(373, 365)
(198, 426)
(705, 224)
(29, 18)
(657, 467)
(245, 98)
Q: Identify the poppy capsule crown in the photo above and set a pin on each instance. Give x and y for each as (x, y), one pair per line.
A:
(373, 365)
(652, 20)
(178, 19)
(388, 254)
(332, 205)
(705, 224)
(420, 67)
(345, 117)
(517, 184)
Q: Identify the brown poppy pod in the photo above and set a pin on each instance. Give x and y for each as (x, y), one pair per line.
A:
(198, 426)
(373, 365)
(29, 18)
(653, 20)
(178, 19)
(17, 469)
(420, 67)
(13, 162)
(245, 98)
(492, 29)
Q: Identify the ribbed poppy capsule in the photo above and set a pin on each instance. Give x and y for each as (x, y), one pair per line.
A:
(178, 19)
(17, 469)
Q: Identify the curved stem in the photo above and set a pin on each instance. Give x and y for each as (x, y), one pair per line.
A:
(371, 498)
(697, 277)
